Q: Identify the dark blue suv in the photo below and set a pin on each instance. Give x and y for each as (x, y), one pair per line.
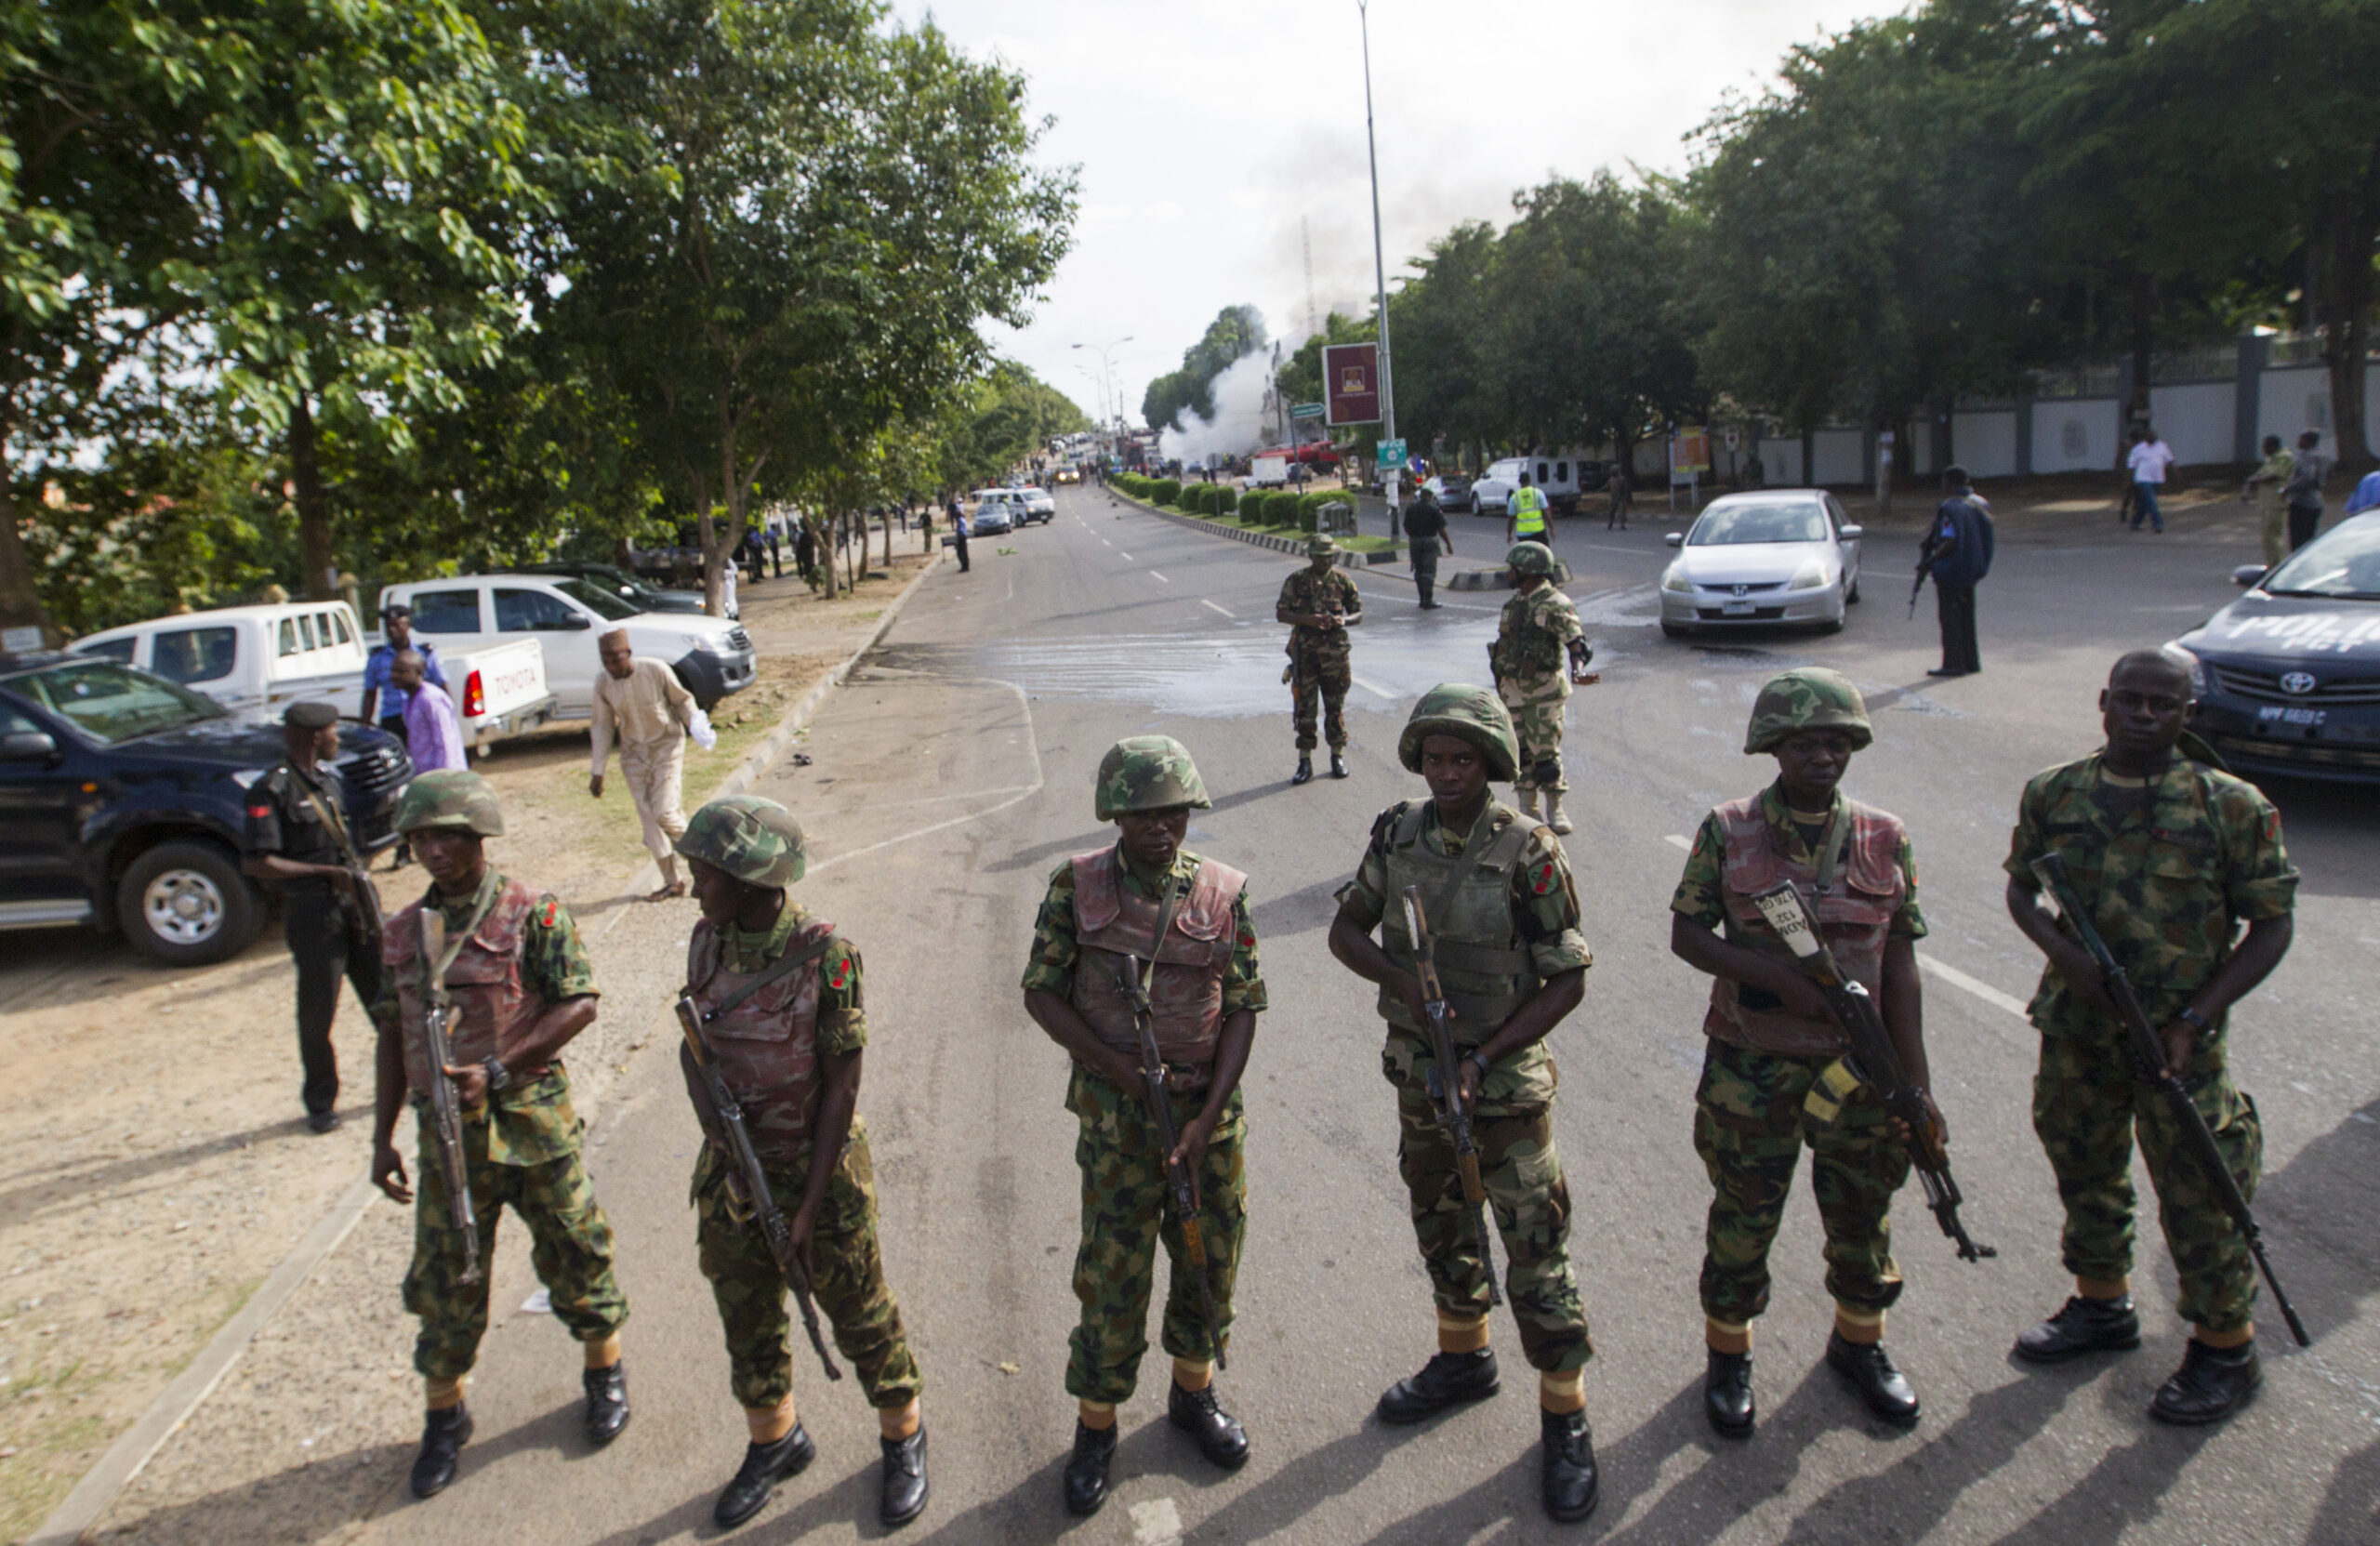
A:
(122, 804)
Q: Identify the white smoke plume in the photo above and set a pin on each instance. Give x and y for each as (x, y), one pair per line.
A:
(1240, 417)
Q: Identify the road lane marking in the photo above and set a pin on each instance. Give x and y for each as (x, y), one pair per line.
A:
(1159, 578)
(1127, 557)
(1674, 839)
(1225, 610)
(1373, 687)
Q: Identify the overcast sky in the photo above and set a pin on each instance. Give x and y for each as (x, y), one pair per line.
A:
(1213, 135)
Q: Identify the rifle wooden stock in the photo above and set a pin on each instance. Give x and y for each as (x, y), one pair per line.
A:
(1451, 1112)
(1159, 1105)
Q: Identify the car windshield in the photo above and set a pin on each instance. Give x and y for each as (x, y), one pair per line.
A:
(595, 599)
(1725, 525)
(112, 702)
(2344, 563)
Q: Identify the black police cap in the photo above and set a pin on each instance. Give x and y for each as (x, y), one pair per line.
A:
(309, 716)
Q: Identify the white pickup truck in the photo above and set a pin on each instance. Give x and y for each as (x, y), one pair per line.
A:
(257, 660)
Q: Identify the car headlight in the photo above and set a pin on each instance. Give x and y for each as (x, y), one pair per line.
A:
(247, 777)
(700, 642)
(2198, 671)
(1810, 576)
(1676, 580)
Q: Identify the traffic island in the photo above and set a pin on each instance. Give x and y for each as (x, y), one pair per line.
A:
(1280, 542)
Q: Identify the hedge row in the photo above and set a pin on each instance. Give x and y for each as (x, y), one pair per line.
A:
(1263, 507)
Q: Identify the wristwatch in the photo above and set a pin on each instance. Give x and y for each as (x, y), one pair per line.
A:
(498, 1076)
(2199, 1024)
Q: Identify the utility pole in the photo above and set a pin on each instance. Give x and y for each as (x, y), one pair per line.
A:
(1380, 272)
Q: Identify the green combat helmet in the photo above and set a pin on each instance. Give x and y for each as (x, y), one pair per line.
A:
(1319, 546)
(451, 797)
(1808, 697)
(1531, 557)
(1148, 773)
(1474, 713)
(756, 841)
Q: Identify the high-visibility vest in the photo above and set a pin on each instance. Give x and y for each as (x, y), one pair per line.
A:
(1528, 511)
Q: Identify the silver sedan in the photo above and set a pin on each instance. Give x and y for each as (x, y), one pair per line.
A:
(1779, 556)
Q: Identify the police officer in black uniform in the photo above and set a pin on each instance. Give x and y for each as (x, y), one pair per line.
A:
(296, 835)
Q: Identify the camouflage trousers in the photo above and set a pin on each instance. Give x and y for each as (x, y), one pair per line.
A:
(1530, 1199)
(1323, 673)
(1747, 1128)
(570, 1245)
(2087, 1107)
(1537, 705)
(846, 1279)
(1126, 1209)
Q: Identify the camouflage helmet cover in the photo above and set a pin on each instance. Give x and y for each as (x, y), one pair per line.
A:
(756, 841)
(1808, 697)
(450, 798)
(1475, 714)
(1319, 546)
(1531, 557)
(1148, 773)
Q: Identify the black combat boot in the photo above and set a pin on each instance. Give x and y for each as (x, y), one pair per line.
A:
(1448, 1378)
(607, 1403)
(756, 1480)
(1087, 1471)
(2084, 1325)
(1570, 1480)
(1305, 769)
(904, 1497)
(1726, 1393)
(443, 1434)
(1868, 1369)
(2212, 1384)
(1220, 1436)
(1338, 764)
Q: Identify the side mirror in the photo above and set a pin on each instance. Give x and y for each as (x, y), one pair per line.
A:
(2245, 576)
(577, 622)
(28, 745)
(1851, 534)
(1675, 539)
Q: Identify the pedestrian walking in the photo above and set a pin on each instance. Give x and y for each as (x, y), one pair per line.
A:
(433, 736)
(959, 531)
(2149, 461)
(2268, 485)
(1524, 515)
(1622, 494)
(517, 986)
(1503, 914)
(1538, 629)
(1147, 928)
(2170, 856)
(1957, 553)
(640, 703)
(384, 702)
(2304, 490)
(776, 549)
(782, 995)
(296, 835)
(1775, 1050)
(805, 551)
(1320, 604)
(1426, 532)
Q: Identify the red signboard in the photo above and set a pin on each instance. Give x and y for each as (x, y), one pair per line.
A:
(1351, 382)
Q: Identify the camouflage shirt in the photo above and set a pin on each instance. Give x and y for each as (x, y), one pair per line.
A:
(842, 1017)
(2168, 866)
(1700, 889)
(1056, 948)
(1534, 632)
(1308, 592)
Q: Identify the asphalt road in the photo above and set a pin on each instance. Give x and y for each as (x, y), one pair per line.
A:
(954, 772)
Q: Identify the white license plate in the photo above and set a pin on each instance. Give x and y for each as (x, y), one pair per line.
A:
(1736, 609)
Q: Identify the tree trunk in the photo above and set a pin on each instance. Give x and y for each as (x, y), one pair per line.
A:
(19, 597)
(320, 581)
(888, 541)
(2341, 239)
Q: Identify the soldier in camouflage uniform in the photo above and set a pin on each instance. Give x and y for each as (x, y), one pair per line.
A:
(1104, 909)
(2171, 855)
(1498, 901)
(1538, 627)
(788, 1041)
(1320, 603)
(1773, 1077)
(520, 987)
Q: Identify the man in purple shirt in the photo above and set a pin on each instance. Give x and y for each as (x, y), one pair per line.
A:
(433, 737)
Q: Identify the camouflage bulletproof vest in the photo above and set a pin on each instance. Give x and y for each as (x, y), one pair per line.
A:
(1466, 901)
(1853, 914)
(1523, 647)
(492, 1003)
(767, 1046)
(1186, 994)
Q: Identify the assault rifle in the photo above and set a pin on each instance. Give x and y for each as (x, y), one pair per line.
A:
(2148, 1064)
(1135, 984)
(446, 1107)
(1449, 1084)
(1928, 552)
(1874, 1059)
(747, 1185)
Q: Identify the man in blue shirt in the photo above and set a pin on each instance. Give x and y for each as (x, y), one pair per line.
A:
(2366, 496)
(1958, 554)
(384, 701)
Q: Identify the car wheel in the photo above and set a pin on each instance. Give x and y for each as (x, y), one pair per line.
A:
(1833, 625)
(1673, 630)
(186, 904)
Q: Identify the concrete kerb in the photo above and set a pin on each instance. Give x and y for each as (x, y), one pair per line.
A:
(1261, 539)
(139, 1444)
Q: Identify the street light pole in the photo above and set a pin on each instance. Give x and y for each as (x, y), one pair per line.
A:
(1380, 269)
(1106, 369)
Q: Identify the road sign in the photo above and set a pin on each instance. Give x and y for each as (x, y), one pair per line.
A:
(1392, 454)
(1735, 437)
(1351, 383)
(1689, 453)
(1306, 410)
